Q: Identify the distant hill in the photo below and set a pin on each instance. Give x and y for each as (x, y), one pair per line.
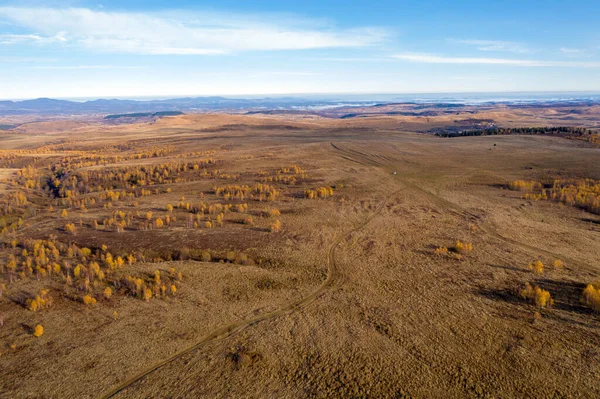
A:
(114, 106)
(317, 104)
(144, 115)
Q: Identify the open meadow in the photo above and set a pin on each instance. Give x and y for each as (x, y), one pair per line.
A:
(300, 255)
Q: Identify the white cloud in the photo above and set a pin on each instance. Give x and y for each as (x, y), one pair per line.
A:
(471, 78)
(32, 39)
(494, 45)
(285, 73)
(435, 59)
(568, 50)
(86, 67)
(181, 33)
(26, 59)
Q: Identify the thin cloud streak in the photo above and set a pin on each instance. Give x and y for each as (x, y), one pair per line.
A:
(13, 39)
(434, 59)
(178, 33)
(86, 67)
(494, 45)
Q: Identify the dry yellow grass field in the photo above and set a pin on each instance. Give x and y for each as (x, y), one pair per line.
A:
(345, 297)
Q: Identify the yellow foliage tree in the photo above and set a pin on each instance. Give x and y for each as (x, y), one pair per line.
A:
(440, 251)
(70, 228)
(539, 296)
(537, 266)
(591, 296)
(89, 300)
(463, 247)
(38, 330)
(275, 226)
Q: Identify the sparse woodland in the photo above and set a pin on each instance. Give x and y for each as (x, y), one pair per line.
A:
(88, 192)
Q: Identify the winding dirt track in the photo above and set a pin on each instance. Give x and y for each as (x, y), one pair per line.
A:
(332, 280)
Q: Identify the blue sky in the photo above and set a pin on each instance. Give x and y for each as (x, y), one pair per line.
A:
(91, 49)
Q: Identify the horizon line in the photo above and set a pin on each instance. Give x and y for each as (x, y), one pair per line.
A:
(283, 95)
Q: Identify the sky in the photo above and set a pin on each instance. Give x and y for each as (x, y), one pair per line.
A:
(92, 49)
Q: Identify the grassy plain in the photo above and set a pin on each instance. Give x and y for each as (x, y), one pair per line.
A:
(347, 298)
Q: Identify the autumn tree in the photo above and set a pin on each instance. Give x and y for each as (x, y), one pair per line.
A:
(591, 296)
(539, 296)
(275, 226)
(537, 266)
(38, 330)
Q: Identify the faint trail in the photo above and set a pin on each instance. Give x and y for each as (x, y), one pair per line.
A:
(226, 331)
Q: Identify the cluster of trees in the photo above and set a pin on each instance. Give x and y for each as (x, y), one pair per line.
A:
(209, 255)
(85, 274)
(591, 296)
(537, 295)
(537, 266)
(569, 132)
(106, 156)
(582, 193)
(156, 285)
(289, 175)
(320, 192)
(39, 301)
(65, 181)
(258, 192)
(523, 185)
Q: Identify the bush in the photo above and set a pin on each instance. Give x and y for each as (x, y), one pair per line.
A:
(441, 251)
(276, 226)
(539, 296)
(70, 228)
(88, 300)
(463, 247)
(38, 330)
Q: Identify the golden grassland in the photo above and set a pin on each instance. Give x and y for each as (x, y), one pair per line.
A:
(257, 256)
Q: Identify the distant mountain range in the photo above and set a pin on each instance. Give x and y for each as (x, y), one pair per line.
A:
(103, 107)
(48, 106)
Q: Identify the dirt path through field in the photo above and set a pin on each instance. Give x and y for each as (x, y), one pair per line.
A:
(331, 282)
